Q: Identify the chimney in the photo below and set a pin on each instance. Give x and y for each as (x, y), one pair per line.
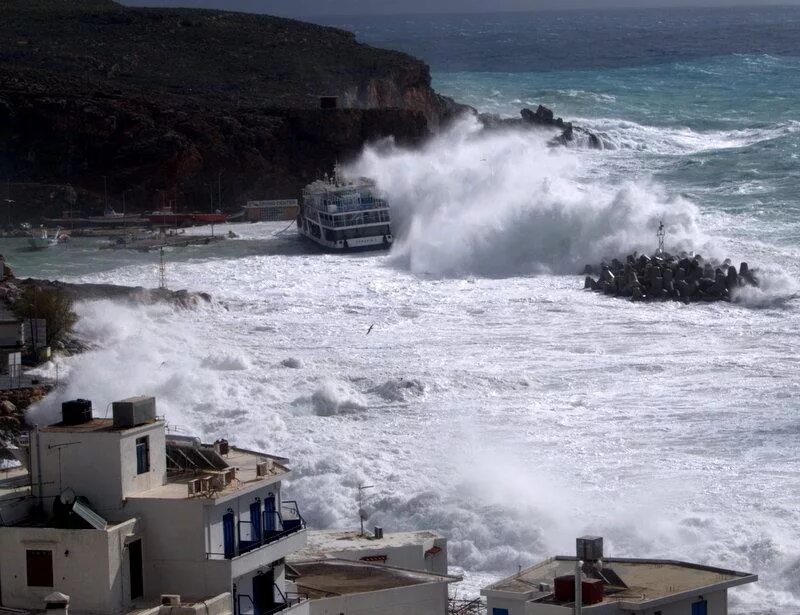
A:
(56, 604)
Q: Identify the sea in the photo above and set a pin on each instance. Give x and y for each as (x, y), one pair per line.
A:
(465, 376)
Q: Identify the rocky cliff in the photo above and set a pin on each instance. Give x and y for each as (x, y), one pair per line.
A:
(183, 105)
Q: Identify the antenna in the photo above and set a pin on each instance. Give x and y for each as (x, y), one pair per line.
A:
(162, 269)
(661, 234)
(362, 514)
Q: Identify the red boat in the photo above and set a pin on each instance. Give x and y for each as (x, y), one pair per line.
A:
(168, 218)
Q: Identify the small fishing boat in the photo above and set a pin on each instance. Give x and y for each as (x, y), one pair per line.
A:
(42, 240)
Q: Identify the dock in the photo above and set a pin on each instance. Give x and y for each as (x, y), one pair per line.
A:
(170, 241)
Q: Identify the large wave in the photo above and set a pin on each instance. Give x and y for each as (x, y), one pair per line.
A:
(505, 203)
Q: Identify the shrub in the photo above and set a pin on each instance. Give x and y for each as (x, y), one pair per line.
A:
(53, 305)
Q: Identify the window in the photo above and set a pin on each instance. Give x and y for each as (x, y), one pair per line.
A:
(496, 611)
(142, 455)
(40, 568)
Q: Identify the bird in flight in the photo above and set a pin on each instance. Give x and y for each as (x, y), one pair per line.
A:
(370, 328)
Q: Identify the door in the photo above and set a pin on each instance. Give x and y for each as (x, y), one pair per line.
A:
(255, 522)
(700, 608)
(264, 592)
(137, 575)
(228, 535)
(269, 513)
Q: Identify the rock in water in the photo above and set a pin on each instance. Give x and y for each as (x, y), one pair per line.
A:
(663, 276)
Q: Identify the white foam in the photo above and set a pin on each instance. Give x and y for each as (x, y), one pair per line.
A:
(503, 204)
(676, 141)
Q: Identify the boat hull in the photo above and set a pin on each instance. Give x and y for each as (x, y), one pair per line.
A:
(356, 244)
(41, 243)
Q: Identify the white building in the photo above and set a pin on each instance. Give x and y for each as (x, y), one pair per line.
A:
(613, 586)
(424, 551)
(116, 514)
(278, 209)
(347, 587)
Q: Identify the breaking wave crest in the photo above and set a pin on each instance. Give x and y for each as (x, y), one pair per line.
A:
(678, 141)
(503, 204)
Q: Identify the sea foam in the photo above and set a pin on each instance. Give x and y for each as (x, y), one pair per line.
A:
(504, 204)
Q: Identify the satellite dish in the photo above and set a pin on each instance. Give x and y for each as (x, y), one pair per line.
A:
(67, 497)
(362, 512)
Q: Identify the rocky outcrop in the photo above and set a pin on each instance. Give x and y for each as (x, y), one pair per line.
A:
(667, 277)
(136, 294)
(181, 105)
(544, 118)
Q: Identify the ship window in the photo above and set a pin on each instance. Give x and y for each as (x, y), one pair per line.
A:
(39, 566)
(142, 455)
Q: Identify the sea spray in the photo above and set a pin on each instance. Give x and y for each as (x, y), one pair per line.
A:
(505, 204)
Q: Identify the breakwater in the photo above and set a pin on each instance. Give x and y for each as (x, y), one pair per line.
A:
(662, 276)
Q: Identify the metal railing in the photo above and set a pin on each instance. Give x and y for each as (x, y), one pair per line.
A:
(288, 599)
(283, 523)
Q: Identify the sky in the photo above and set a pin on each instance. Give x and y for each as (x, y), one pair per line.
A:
(305, 8)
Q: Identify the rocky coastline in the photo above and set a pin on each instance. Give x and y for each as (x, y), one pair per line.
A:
(544, 118)
(93, 101)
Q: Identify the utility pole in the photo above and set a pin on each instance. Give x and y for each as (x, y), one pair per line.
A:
(162, 269)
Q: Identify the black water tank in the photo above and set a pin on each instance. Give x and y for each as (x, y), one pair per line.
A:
(76, 411)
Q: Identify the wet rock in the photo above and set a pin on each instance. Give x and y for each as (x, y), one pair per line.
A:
(663, 276)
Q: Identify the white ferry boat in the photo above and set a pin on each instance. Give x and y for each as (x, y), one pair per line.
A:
(345, 215)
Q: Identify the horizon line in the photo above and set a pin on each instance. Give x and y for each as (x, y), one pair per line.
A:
(574, 9)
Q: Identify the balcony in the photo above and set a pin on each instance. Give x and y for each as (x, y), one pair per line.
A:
(267, 537)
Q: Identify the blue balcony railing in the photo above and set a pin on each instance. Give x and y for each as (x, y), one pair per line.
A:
(270, 527)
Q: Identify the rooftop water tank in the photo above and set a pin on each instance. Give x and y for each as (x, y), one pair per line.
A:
(76, 411)
(134, 411)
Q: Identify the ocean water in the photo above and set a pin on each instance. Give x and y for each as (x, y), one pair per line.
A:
(494, 400)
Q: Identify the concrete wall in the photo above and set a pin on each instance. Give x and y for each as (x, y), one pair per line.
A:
(87, 463)
(174, 549)
(132, 482)
(515, 607)
(717, 605)
(428, 599)
(537, 608)
(88, 565)
(99, 465)
(410, 557)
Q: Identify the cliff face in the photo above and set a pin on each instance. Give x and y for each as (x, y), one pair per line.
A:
(180, 105)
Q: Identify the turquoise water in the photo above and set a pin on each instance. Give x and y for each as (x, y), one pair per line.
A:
(705, 102)
(724, 131)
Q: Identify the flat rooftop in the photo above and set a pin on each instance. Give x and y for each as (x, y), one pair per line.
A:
(322, 543)
(244, 461)
(15, 482)
(92, 425)
(336, 577)
(647, 579)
